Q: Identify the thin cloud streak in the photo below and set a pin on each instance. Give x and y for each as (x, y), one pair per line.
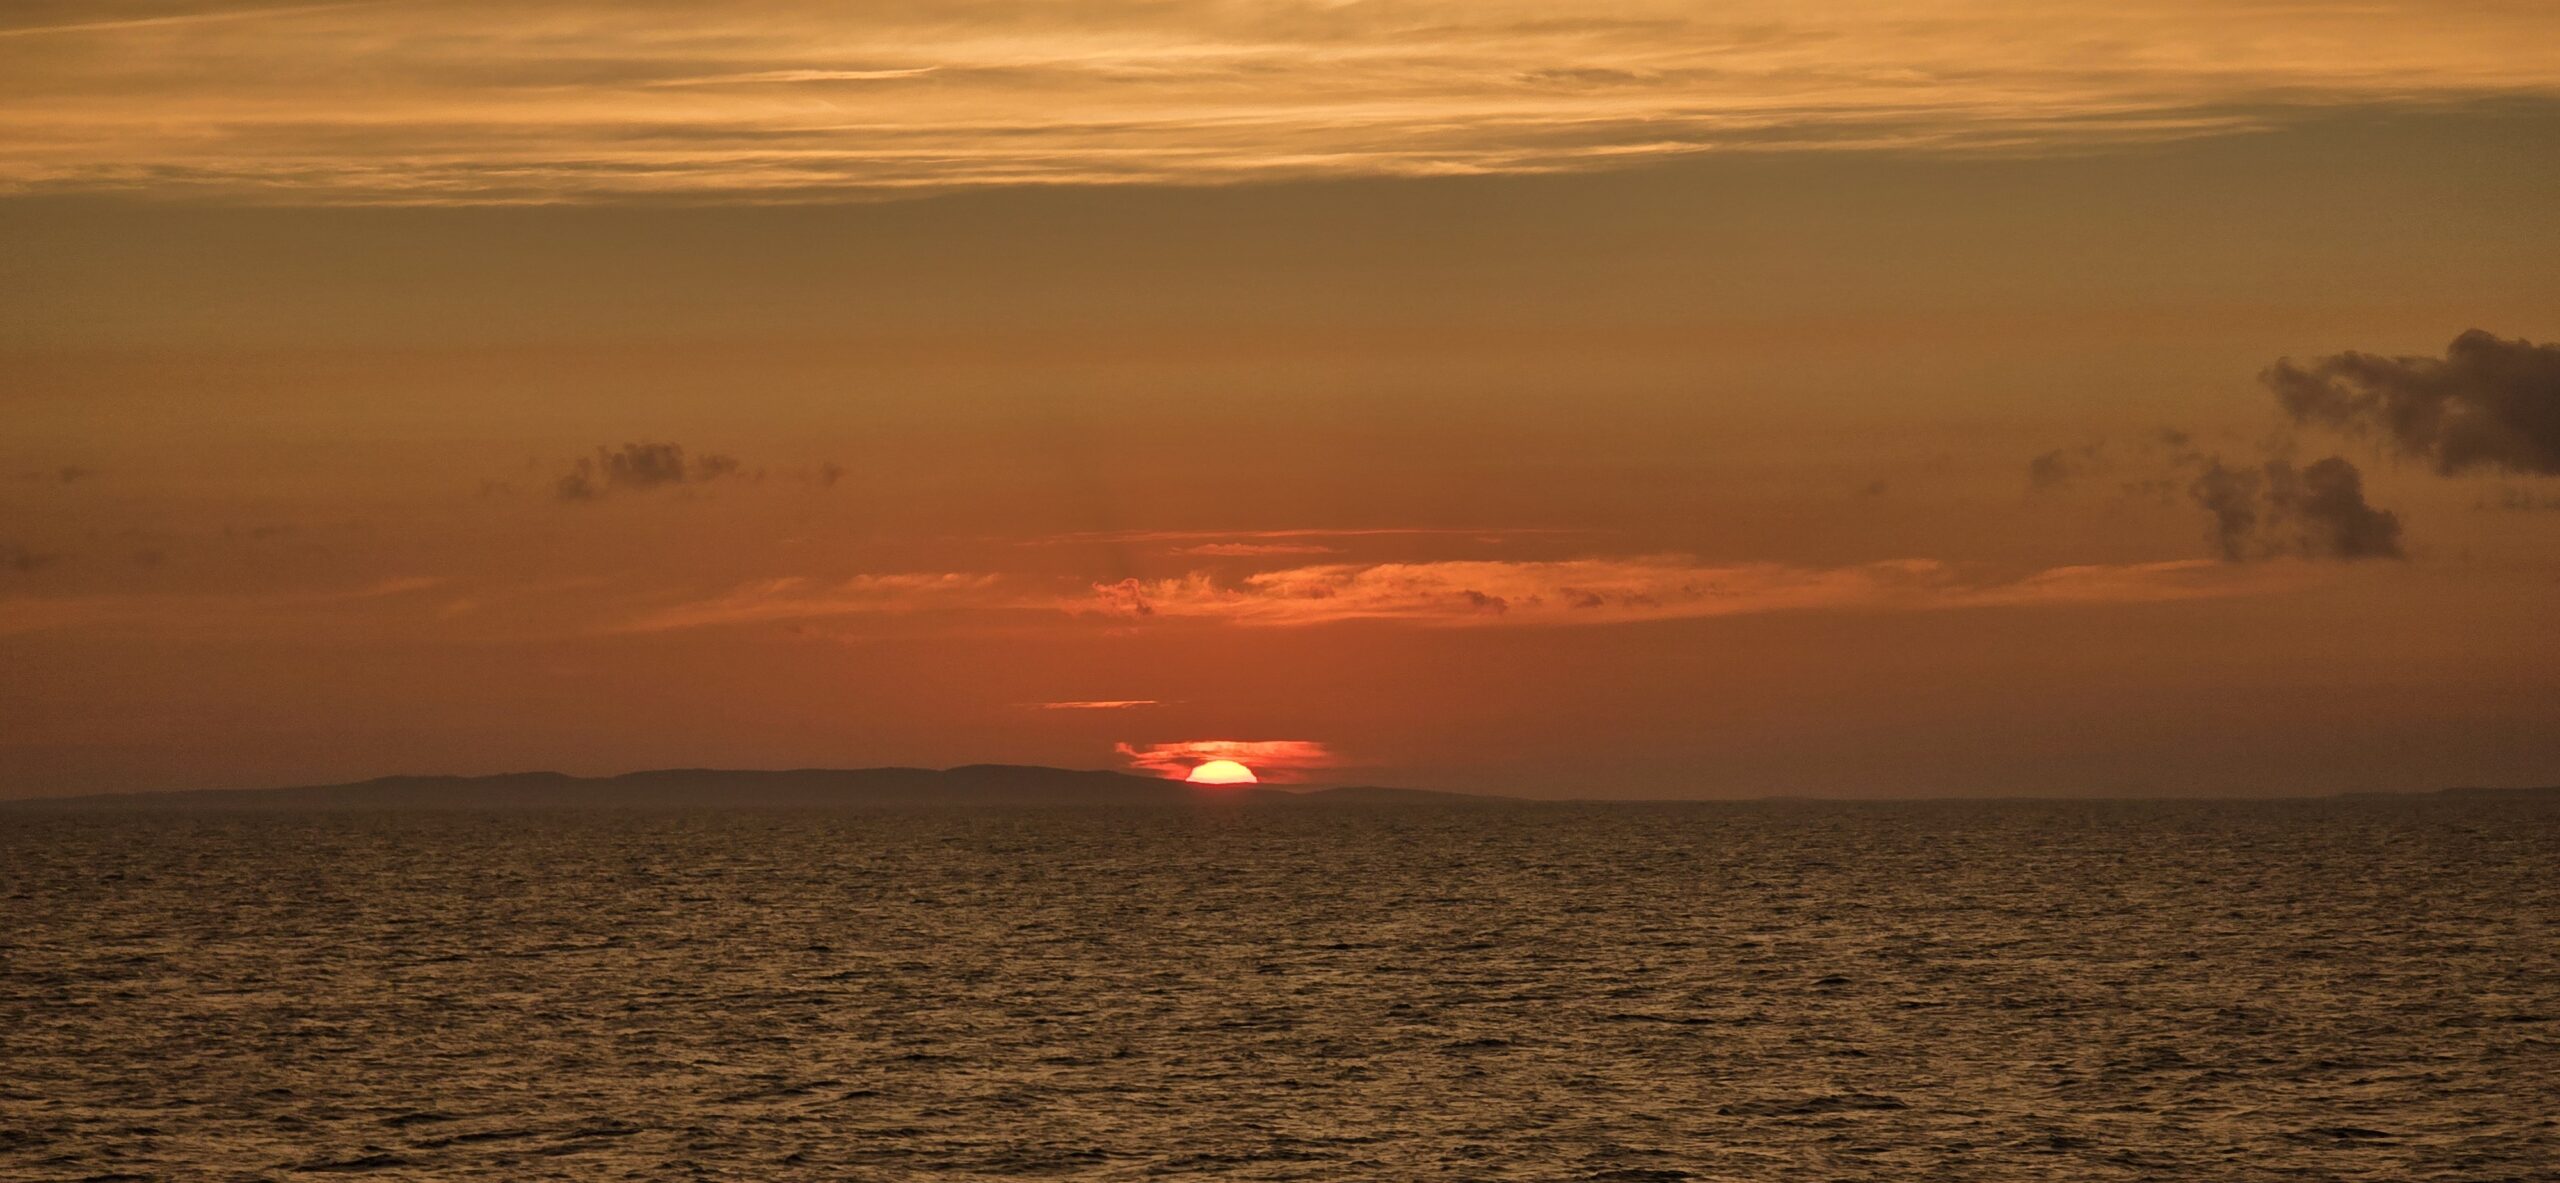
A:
(1243, 538)
(1477, 594)
(471, 102)
(189, 18)
(215, 615)
(1237, 550)
(778, 601)
(1633, 590)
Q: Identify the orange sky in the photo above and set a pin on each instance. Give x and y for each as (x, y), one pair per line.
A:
(1651, 404)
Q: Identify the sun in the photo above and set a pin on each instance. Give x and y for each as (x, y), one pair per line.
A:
(1222, 772)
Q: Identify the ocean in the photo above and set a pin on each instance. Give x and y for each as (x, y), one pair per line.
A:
(2303, 990)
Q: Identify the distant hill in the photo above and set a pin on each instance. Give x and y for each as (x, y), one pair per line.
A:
(2525, 793)
(710, 788)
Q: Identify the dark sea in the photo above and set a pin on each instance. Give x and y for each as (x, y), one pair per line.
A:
(2326, 990)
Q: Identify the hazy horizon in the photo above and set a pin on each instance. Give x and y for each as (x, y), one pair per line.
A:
(711, 793)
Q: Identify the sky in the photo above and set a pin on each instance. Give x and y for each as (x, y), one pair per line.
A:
(1663, 400)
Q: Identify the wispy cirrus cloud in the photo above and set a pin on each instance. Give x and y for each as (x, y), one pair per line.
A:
(223, 615)
(774, 601)
(1301, 540)
(1472, 593)
(1239, 550)
(478, 101)
(205, 14)
(1597, 591)
(1270, 759)
(1098, 704)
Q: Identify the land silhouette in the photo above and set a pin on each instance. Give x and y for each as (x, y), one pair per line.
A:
(713, 788)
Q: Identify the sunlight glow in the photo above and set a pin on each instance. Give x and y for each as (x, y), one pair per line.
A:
(1222, 772)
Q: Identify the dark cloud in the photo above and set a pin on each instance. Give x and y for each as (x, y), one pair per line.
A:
(712, 468)
(69, 474)
(15, 557)
(2059, 468)
(2317, 511)
(2257, 508)
(2519, 500)
(2231, 496)
(639, 468)
(2488, 403)
(2052, 470)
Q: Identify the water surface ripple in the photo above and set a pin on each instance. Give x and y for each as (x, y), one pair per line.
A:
(2313, 990)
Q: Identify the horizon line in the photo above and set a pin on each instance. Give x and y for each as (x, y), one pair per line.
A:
(1298, 788)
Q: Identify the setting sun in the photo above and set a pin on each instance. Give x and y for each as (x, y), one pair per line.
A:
(1222, 772)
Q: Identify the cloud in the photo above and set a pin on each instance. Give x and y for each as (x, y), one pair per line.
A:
(639, 468)
(15, 557)
(2060, 467)
(789, 76)
(1463, 594)
(69, 474)
(467, 101)
(1098, 704)
(2323, 504)
(1597, 591)
(1294, 541)
(2519, 500)
(795, 599)
(2317, 511)
(158, 22)
(1270, 759)
(2488, 403)
(299, 615)
(1251, 549)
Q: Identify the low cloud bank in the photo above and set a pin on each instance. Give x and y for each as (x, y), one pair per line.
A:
(1270, 759)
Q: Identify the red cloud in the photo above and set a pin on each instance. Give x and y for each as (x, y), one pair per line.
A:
(1271, 759)
(1233, 541)
(1250, 549)
(1481, 593)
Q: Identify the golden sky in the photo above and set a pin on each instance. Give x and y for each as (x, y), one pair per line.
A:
(472, 100)
(1670, 399)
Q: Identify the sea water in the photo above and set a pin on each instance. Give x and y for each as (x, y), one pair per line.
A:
(2340, 989)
